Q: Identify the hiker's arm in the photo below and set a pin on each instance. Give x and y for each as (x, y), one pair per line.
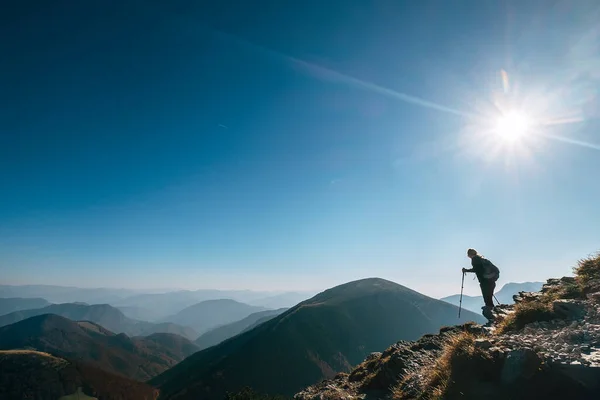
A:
(468, 270)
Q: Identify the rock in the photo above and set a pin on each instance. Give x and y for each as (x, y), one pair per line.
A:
(569, 309)
(373, 356)
(568, 279)
(519, 364)
(595, 297)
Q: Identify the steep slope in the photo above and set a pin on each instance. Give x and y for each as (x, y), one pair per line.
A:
(212, 313)
(175, 346)
(217, 335)
(138, 358)
(12, 304)
(316, 339)
(102, 314)
(504, 295)
(36, 375)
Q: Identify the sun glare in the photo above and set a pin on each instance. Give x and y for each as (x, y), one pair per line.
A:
(512, 126)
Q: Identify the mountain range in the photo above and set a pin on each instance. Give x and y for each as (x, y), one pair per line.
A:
(103, 315)
(151, 305)
(138, 358)
(504, 295)
(316, 339)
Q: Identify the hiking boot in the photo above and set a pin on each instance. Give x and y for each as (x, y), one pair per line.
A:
(487, 312)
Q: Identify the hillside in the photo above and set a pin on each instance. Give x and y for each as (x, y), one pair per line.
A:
(212, 313)
(12, 304)
(102, 314)
(504, 295)
(138, 358)
(545, 346)
(36, 375)
(217, 335)
(316, 339)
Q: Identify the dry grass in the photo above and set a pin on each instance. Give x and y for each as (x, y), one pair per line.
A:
(458, 361)
(587, 273)
(528, 312)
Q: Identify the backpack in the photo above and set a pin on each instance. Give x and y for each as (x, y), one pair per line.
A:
(490, 271)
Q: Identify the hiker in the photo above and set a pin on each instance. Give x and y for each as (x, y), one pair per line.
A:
(487, 274)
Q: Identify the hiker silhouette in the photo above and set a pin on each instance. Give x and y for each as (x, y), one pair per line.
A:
(487, 274)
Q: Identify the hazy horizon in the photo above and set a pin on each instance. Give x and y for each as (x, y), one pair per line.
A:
(187, 145)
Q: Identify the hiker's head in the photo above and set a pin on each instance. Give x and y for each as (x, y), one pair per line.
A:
(471, 253)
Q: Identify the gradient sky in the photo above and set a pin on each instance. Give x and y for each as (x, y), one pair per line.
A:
(295, 144)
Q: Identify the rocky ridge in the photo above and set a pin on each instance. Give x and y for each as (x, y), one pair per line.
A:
(556, 354)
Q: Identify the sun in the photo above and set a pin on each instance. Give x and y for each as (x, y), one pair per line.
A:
(512, 126)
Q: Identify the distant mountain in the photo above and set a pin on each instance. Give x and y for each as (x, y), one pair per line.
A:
(64, 294)
(282, 300)
(102, 314)
(314, 340)
(217, 335)
(141, 313)
(504, 295)
(12, 304)
(30, 374)
(167, 304)
(138, 358)
(212, 313)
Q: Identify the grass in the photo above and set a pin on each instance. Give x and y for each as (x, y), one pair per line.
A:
(587, 273)
(527, 312)
(459, 363)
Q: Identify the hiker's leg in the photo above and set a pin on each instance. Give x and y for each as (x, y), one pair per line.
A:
(487, 291)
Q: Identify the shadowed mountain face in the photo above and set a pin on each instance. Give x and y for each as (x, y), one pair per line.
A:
(217, 335)
(212, 313)
(101, 314)
(30, 374)
(12, 304)
(504, 295)
(138, 358)
(314, 340)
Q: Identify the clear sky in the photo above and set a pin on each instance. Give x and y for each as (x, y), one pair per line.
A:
(297, 144)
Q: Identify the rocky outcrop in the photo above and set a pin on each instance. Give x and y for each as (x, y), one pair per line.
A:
(551, 359)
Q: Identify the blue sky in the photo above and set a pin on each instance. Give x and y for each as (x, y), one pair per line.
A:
(296, 145)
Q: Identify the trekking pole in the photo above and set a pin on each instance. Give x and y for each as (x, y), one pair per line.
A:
(462, 285)
(496, 299)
